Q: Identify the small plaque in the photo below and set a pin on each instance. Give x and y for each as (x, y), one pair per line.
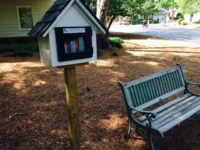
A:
(73, 30)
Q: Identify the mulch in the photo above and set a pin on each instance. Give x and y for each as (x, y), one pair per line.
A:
(33, 113)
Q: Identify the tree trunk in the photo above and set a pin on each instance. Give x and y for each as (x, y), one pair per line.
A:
(102, 8)
(110, 23)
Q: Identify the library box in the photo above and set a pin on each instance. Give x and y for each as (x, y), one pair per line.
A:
(67, 34)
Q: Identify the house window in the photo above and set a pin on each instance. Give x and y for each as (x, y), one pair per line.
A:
(25, 17)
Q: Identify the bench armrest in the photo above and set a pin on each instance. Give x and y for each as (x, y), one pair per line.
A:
(192, 84)
(195, 84)
(149, 113)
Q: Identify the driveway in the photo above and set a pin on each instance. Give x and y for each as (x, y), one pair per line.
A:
(190, 34)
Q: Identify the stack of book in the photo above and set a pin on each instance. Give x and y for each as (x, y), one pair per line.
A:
(74, 46)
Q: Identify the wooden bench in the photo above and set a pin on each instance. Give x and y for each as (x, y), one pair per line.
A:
(148, 91)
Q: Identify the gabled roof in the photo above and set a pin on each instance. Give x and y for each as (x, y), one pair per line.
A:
(52, 14)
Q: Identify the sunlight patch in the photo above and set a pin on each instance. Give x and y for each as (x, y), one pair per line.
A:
(39, 83)
(114, 122)
(143, 53)
(105, 63)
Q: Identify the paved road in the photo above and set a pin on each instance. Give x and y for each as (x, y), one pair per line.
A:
(189, 34)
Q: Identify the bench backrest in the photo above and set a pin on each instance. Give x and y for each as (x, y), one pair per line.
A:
(146, 91)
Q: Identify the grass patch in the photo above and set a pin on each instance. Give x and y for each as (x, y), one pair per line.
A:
(21, 47)
(198, 22)
(116, 41)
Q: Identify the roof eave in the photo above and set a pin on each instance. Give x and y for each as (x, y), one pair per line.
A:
(86, 10)
(95, 20)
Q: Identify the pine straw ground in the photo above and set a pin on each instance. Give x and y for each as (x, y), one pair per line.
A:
(33, 111)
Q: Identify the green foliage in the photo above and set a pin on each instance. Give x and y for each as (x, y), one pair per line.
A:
(183, 22)
(114, 53)
(198, 22)
(180, 20)
(116, 8)
(142, 7)
(135, 20)
(188, 6)
(116, 41)
(21, 54)
(179, 15)
(92, 5)
(167, 4)
(154, 21)
(30, 46)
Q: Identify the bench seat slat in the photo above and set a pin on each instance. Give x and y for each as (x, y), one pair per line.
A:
(173, 102)
(167, 105)
(172, 111)
(163, 115)
(176, 116)
(178, 119)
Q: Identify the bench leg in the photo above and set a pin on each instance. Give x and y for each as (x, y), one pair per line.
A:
(150, 140)
(128, 129)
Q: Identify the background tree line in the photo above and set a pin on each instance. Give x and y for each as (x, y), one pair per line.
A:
(133, 8)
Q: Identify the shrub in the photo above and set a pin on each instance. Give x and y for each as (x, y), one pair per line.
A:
(13, 47)
(179, 15)
(114, 53)
(21, 54)
(154, 21)
(136, 20)
(180, 20)
(198, 22)
(116, 41)
(183, 22)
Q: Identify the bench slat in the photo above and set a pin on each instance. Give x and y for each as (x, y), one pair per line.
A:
(162, 117)
(145, 105)
(155, 75)
(170, 111)
(179, 118)
(179, 111)
(146, 91)
(165, 106)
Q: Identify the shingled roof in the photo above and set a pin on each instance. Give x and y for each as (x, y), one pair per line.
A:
(52, 13)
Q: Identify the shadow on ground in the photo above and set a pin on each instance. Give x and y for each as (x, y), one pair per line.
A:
(33, 112)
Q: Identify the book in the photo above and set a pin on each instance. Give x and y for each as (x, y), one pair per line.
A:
(81, 44)
(72, 49)
(76, 46)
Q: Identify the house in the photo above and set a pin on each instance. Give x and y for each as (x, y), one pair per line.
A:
(161, 15)
(19, 16)
(194, 18)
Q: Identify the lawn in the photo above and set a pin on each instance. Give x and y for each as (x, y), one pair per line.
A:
(33, 111)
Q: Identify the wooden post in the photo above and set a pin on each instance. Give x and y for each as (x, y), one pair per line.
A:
(73, 107)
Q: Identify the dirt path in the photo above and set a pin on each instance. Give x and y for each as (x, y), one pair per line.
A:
(32, 99)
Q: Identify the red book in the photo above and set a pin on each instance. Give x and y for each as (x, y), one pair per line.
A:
(76, 46)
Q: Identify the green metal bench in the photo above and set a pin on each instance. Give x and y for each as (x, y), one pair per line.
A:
(145, 92)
